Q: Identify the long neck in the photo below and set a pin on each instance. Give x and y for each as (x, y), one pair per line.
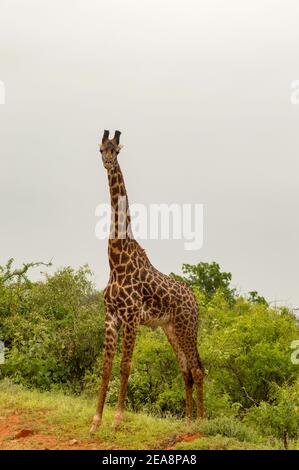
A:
(120, 227)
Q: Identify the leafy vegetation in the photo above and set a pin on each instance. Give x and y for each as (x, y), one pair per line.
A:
(280, 417)
(208, 279)
(53, 331)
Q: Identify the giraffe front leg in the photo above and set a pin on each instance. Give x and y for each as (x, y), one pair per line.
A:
(128, 343)
(111, 333)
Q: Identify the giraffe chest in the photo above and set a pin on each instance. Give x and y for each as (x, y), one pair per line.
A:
(123, 297)
(128, 301)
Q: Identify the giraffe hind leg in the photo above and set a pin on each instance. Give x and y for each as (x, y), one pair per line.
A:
(188, 344)
(198, 377)
(185, 370)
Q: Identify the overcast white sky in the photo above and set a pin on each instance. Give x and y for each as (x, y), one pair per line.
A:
(201, 92)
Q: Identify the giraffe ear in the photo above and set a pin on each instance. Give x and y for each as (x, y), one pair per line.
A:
(116, 137)
(105, 136)
(119, 147)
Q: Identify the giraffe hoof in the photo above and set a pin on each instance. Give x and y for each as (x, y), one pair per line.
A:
(116, 424)
(94, 426)
(93, 429)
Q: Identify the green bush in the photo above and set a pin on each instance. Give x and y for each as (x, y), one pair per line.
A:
(246, 347)
(229, 427)
(280, 417)
(53, 329)
(218, 403)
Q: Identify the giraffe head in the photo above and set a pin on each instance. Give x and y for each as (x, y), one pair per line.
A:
(109, 149)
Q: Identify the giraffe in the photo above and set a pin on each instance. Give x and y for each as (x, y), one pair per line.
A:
(138, 294)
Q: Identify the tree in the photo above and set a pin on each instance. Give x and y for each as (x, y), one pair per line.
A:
(255, 298)
(7, 274)
(208, 278)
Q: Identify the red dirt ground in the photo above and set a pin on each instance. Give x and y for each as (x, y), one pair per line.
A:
(20, 431)
(185, 438)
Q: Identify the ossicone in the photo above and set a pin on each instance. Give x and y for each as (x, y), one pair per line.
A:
(116, 137)
(105, 136)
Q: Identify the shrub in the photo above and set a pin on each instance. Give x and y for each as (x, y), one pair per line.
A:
(279, 418)
(52, 329)
(246, 347)
(229, 427)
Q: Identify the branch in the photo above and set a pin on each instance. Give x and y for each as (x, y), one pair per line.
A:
(21, 273)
